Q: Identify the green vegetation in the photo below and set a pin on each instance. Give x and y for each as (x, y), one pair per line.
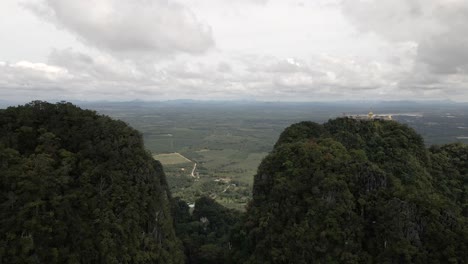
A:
(206, 232)
(355, 191)
(228, 140)
(77, 187)
(171, 158)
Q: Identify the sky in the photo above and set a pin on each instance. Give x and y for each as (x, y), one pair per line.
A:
(266, 50)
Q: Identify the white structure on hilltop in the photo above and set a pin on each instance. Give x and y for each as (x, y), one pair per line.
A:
(371, 116)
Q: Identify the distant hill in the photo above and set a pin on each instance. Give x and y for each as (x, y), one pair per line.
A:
(77, 187)
(352, 191)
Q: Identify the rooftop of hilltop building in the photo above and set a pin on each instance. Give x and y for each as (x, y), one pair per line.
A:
(371, 116)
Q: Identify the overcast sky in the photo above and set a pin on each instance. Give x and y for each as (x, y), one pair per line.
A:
(286, 50)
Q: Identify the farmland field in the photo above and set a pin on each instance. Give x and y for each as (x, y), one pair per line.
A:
(228, 141)
(171, 158)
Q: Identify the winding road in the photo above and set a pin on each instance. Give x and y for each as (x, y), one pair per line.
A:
(193, 170)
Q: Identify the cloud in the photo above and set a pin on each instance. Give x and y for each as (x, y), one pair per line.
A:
(444, 50)
(72, 74)
(270, 50)
(259, 2)
(25, 79)
(437, 26)
(289, 65)
(129, 27)
(25, 73)
(93, 68)
(252, 76)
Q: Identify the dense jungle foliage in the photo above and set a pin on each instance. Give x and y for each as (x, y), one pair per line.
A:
(77, 187)
(206, 231)
(354, 191)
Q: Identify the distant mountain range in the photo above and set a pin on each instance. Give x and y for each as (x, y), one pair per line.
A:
(353, 103)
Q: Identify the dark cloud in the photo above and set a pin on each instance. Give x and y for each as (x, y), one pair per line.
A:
(445, 50)
(437, 26)
(438, 67)
(446, 53)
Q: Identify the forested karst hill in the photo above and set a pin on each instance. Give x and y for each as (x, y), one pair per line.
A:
(353, 191)
(76, 187)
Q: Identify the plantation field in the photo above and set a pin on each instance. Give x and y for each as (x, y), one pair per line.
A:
(171, 158)
(228, 140)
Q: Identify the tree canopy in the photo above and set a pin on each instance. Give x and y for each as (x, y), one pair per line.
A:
(352, 191)
(77, 187)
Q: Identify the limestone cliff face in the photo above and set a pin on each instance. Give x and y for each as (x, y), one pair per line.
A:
(358, 191)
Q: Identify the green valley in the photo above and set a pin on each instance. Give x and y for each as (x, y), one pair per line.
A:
(228, 140)
(80, 187)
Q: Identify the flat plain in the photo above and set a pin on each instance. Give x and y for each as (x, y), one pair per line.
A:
(171, 158)
(228, 140)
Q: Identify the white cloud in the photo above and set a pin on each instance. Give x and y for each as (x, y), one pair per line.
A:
(41, 67)
(267, 50)
(271, 78)
(129, 27)
(27, 73)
